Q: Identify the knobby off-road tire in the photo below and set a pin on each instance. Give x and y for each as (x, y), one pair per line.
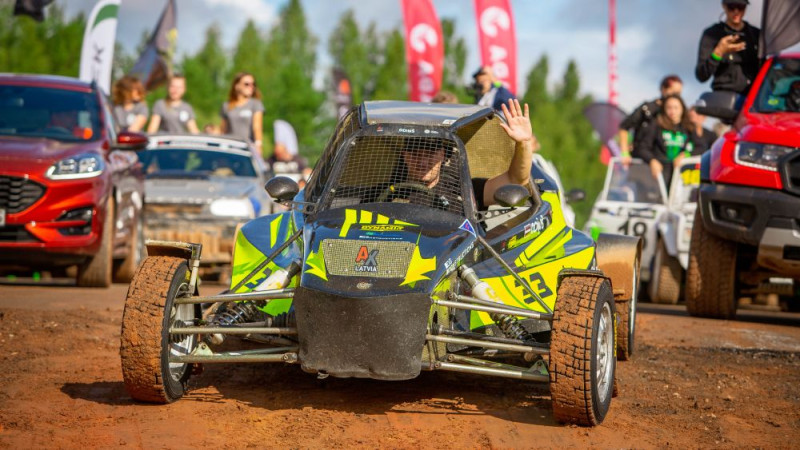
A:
(711, 276)
(125, 269)
(582, 351)
(145, 342)
(665, 287)
(626, 328)
(96, 272)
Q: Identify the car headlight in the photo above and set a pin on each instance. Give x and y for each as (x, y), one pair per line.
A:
(232, 207)
(761, 156)
(81, 166)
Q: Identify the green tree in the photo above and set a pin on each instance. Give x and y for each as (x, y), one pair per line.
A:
(357, 53)
(455, 60)
(249, 53)
(288, 89)
(207, 78)
(391, 82)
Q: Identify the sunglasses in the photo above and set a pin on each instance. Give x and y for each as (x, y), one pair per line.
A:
(736, 7)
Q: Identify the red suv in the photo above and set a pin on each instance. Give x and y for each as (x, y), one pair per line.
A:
(748, 229)
(71, 187)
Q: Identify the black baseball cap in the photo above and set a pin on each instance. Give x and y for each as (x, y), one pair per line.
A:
(735, 2)
(480, 71)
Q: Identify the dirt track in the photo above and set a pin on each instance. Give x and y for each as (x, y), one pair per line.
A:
(691, 383)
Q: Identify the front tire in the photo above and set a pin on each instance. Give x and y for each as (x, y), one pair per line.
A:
(146, 345)
(582, 351)
(96, 272)
(665, 287)
(711, 276)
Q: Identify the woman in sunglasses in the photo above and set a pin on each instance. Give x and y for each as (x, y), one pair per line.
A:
(729, 51)
(243, 113)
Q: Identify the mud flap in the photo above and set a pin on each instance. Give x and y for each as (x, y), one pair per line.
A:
(615, 258)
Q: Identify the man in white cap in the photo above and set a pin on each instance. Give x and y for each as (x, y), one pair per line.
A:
(285, 160)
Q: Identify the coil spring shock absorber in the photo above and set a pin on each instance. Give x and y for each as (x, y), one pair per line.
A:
(508, 324)
(249, 311)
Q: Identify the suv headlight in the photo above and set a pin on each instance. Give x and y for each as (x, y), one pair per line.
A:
(81, 166)
(232, 207)
(761, 156)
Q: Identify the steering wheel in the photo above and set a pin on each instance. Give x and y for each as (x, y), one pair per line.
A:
(400, 186)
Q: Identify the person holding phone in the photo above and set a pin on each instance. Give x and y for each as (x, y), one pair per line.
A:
(729, 51)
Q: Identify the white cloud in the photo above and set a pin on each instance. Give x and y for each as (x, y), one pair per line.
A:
(260, 11)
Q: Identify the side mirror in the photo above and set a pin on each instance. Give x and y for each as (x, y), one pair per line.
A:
(282, 189)
(576, 195)
(511, 195)
(719, 104)
(128, 140)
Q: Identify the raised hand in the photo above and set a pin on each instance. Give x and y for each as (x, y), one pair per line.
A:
(519, 123)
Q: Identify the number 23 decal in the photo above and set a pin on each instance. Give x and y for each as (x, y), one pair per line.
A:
(536, 282)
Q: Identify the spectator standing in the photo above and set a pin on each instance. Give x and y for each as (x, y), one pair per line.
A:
(489, 91)
(286, 161)
(173, 115)
(703, 138)
(643, 116)
(445, 97)
(243, 113)
(130, 111)
(729, 51)
(668, 140)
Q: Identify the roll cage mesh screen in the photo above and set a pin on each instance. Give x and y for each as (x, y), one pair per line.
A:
(423, 171)
(348, 126)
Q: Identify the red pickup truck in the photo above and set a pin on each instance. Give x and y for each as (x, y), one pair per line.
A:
(747, 228)
(71, 189)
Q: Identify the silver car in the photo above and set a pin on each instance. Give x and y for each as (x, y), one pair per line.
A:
(199, 189)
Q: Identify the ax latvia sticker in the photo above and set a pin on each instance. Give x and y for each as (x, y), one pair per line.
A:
(466, 226)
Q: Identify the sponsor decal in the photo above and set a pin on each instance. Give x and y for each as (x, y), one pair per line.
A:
(379, 129)
(448, 121)
(466, 226)
(407, 130)
(364, 285)
(366, 260)
(382, 228)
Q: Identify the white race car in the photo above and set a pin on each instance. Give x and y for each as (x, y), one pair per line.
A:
(630, 203)
(674, 228)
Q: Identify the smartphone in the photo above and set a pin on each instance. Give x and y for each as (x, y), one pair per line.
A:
(738, 36)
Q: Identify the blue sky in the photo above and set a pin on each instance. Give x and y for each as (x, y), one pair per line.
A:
(655, 37)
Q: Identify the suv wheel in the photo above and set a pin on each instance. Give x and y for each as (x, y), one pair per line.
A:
(711, 276)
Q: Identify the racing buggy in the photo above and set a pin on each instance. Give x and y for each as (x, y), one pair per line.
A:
(371, 274)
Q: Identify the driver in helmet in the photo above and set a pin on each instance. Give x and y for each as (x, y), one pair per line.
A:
(424, 165)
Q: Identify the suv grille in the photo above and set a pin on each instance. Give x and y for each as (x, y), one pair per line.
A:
(15, 233)
(17, 194)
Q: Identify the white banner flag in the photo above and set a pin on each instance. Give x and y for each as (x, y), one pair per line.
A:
(97, 52)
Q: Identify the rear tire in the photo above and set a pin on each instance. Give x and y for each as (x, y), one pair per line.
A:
(145, 344)
(582, 351)
(665, 287)
(711, 276)
(96, 272)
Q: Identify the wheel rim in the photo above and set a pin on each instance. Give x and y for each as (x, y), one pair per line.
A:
(605, 353)
(634, 296)
(181, 345)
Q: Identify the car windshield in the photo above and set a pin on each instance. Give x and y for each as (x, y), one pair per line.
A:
(397, 169)
(686, 190)
(51, 113)
(780, 91)
(194, 163)
(633, 184)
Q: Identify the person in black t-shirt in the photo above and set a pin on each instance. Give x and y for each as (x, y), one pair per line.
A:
(729, 51)
(643, 116)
